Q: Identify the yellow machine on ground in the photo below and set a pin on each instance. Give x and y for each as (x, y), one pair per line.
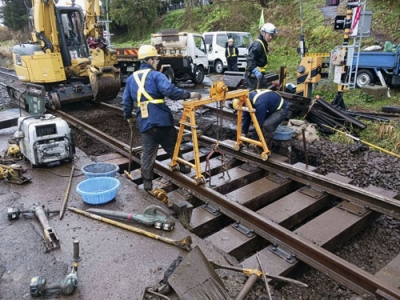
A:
(218, 93)
(59, 58)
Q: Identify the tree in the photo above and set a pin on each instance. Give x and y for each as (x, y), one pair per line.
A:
(16, 13)
(139, 16)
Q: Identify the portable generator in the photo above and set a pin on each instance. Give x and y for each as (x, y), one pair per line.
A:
(45, 139)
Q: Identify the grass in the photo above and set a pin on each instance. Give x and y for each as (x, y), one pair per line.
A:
(380, 136)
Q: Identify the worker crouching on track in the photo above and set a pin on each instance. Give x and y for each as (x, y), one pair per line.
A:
(148, 87)
(271, 110)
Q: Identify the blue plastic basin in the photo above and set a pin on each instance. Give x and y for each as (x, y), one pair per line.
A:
(98, 190)
(100, 170)
(283, 133)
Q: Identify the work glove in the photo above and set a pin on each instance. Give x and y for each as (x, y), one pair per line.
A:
(195, 95)
(131, 122)
(257, 73)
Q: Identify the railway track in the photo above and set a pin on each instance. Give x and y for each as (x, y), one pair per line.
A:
(285, 213)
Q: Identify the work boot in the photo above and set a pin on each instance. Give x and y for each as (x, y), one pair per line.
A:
(184, 169)
(147, 185)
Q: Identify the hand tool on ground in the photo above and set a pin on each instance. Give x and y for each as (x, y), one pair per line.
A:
(258, 273)
(153, 215)
(128, 173)
(264, 277)
(161, 195)
(38, 210)
(185, 243)
(67, 193)
(149, 290)
(39, 286)
(195, 279)
(364, 142)
(13, 174)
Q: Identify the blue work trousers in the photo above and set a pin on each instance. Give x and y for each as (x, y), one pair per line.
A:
(151, 140)
(272, 122)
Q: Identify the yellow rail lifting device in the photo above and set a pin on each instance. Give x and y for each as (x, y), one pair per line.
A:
(218, 93)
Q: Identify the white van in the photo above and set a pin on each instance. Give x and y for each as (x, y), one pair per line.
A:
(216, 43)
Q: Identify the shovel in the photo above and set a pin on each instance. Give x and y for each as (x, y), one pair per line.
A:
(196, 279)
(128, 173)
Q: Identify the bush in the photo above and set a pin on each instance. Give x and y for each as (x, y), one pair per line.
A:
(5, 34)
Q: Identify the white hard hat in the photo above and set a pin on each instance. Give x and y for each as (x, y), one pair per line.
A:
(269, 28)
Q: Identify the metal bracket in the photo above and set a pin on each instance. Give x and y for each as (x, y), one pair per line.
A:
(249, 168)
(353, 208)
(211, 209)
(311, 192)
(290, 258)
(243, 229)
(277, 178)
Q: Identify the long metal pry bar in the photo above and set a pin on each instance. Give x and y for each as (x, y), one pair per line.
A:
(218, 93)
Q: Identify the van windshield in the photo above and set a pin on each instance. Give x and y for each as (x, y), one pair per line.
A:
(241, 39)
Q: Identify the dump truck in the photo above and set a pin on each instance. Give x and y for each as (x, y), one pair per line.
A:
(183, 56)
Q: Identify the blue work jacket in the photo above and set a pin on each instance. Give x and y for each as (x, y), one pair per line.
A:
(158, 87)
(265, 105)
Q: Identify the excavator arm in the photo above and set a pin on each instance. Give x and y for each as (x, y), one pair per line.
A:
(104, 77)
(45, 25)
(93, 28)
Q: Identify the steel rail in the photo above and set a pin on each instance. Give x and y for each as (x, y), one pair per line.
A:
(111, 142)
(344, 272)
(339, 189)
(324, 261)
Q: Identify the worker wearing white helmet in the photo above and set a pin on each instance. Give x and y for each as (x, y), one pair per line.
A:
(257, 58)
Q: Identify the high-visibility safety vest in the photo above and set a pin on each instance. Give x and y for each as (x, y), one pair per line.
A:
(263, 69)
(261, 92)
(141, 91)
(234, 52)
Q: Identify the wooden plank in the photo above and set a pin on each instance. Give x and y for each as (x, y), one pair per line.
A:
(391, 272)
(288, 211)
(261, 192)
(204, 222)
(333, 227)
(9, 117)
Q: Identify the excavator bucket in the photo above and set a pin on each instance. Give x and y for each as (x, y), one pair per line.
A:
(105, 83)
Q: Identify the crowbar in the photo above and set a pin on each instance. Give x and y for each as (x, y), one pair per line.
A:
(264, 278)
(67, 193)
(128, 173)
(258, 273)
(185, 243)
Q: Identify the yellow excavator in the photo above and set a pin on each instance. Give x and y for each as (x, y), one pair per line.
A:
(67, 58)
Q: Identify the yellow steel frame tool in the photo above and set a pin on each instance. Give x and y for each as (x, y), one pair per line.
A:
(218, 92)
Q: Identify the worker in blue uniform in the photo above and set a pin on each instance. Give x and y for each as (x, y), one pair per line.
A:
(257, 58)
(271, 110)
(147, 88)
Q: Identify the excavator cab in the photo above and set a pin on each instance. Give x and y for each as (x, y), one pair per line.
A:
(73, 44)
